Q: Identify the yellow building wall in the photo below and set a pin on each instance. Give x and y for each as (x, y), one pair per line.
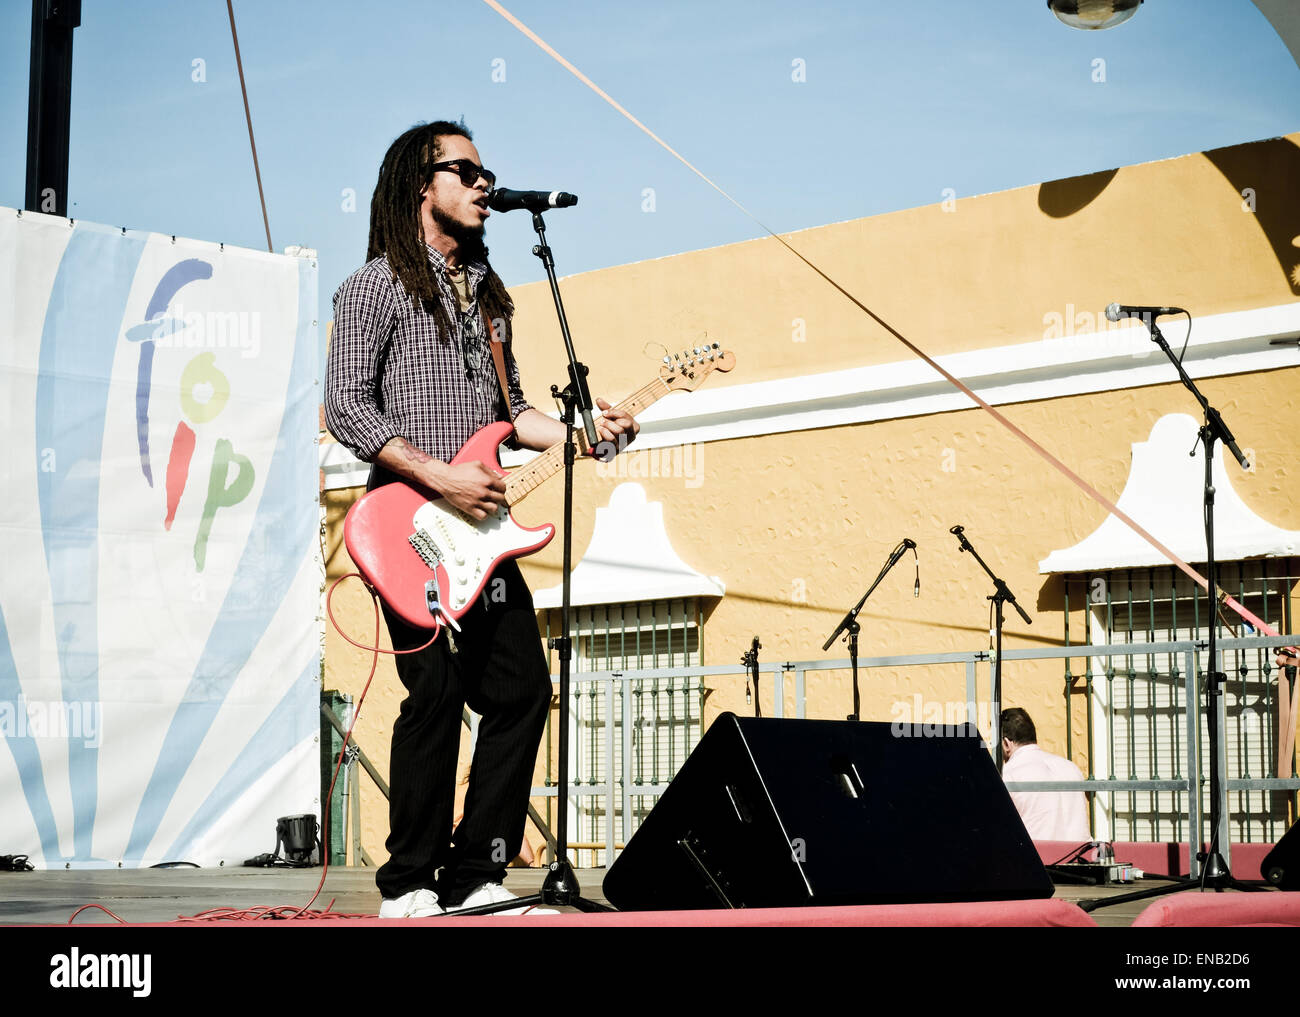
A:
(798, 524)
(986, 273)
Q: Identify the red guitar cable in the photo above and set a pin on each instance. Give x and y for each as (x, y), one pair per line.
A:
(289, 912)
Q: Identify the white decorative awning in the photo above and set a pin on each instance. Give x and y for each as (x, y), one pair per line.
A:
(1163, 495)
(630, 559)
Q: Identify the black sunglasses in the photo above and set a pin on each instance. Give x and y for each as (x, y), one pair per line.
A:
(469, 172)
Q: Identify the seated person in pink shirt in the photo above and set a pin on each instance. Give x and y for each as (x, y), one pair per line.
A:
(1047, 815)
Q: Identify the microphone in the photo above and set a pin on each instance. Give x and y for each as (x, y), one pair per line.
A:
(957, 530)
(504, 200)
(1116, 311)
(916, 590)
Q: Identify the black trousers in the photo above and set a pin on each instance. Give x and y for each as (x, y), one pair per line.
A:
(499, 671)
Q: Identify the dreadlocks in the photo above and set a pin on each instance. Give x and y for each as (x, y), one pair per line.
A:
(395, 229)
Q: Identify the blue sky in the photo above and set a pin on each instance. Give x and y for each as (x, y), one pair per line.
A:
(901, 101)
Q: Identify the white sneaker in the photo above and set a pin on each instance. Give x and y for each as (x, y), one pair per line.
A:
(495, 893)
(416, 904)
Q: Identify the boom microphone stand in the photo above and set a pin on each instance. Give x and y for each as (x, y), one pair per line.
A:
(1002, 594)
(850, 621)
(1215, 872)
(560, 888)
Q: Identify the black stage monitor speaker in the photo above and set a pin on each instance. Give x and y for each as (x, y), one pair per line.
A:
(782, 813)
(1281, 866)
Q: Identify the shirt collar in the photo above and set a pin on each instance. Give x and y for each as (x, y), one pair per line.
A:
(474, 270)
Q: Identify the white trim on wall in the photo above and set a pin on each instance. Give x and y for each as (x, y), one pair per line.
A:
(1124, 357)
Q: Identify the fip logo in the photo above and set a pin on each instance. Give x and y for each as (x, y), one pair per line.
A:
(204, 393)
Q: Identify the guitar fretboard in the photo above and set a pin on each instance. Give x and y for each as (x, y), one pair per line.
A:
(528, 478)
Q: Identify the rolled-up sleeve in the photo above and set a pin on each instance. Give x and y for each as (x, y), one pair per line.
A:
(364, 312)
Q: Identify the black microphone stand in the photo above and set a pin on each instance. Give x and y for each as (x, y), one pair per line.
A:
(850, 622)
(1214, 872)
(1002, 594)
(750, 660)
(560, 888)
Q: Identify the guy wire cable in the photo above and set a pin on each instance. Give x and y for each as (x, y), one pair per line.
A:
(239, 63)
(1078, 481)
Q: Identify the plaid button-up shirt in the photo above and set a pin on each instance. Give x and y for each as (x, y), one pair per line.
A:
(391, 374)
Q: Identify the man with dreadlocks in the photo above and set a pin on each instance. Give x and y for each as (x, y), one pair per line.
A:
(410, 378)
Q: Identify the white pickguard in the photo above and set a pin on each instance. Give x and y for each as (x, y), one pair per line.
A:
(468, 547)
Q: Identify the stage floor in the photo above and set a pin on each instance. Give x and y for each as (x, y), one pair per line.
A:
(164, 895)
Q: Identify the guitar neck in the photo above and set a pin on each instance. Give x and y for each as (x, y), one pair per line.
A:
(528, 478)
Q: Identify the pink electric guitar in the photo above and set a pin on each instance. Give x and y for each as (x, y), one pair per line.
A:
(430, 561)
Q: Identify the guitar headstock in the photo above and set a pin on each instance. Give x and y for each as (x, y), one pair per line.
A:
(686, 370)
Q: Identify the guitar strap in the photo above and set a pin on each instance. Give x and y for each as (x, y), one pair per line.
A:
(499, 360)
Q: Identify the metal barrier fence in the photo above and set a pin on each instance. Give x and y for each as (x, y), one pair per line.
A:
(1143, 768)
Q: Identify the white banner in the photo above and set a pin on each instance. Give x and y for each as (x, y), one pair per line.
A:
(159, 654)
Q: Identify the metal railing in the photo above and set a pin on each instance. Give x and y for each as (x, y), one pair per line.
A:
(1123, 785)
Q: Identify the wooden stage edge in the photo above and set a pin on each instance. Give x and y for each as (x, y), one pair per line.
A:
(147, 896)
